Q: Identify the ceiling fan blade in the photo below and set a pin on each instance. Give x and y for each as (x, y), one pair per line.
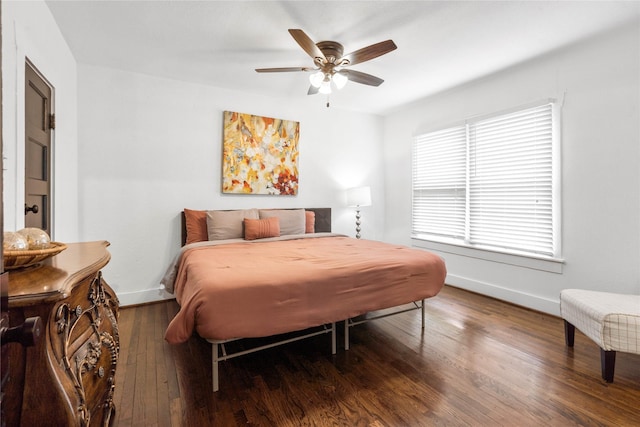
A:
(312, 90)
(369, 52)
(283, 69)
(363, 78)
(307, 44)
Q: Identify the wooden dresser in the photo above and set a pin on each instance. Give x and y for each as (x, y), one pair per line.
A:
(67, 378)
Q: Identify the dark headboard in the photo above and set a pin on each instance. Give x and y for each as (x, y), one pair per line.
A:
(323, 221)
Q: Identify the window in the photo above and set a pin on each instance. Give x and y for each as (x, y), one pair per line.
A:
(490, 183)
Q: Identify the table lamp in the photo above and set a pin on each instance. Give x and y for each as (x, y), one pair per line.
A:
(358, 197)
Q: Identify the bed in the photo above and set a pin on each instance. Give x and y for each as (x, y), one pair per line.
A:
(259, 273)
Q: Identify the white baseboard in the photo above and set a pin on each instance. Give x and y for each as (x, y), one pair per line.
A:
(524, 299)
(143, 297)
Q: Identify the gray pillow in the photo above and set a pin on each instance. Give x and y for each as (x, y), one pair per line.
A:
(223, 225)
(292, 221)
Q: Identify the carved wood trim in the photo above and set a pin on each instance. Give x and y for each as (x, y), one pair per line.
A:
(85, 361)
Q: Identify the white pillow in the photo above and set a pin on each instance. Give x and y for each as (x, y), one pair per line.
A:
(292, 221)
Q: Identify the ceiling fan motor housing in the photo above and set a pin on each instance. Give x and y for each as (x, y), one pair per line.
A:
(331, 50)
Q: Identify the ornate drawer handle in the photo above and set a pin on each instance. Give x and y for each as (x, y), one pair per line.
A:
(78, 311)
(101, 372)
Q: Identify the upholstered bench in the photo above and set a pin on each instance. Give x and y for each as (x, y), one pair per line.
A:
(611, 320)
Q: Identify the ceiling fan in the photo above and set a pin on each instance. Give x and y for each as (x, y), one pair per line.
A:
(330, 63)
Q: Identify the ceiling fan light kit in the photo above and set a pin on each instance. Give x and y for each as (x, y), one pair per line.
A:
(331, 64)
(324, 81)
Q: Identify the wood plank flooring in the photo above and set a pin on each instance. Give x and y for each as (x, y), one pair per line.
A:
(478, 362)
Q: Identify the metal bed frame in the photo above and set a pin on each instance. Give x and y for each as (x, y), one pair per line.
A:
(219, 352)
(352, 322)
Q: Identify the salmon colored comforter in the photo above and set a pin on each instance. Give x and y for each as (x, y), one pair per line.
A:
(261, 288)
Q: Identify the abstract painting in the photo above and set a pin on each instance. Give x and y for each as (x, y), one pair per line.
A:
(260, 155)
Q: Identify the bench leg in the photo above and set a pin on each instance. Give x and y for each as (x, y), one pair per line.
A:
(569, 333)
(608, 364)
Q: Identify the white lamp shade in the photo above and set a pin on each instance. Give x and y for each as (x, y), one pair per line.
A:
(339, 80)
(359, 196)
(325, 87)
(316, 79)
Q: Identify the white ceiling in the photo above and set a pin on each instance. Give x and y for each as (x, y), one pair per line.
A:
(441, 44)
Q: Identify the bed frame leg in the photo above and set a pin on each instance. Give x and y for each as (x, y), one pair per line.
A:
(333, 338)
(346, 334)
(214, 366)
(422, 314)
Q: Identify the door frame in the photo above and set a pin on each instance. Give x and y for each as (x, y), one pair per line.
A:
(20, 154)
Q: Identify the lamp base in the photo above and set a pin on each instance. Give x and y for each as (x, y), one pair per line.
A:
(358, 224)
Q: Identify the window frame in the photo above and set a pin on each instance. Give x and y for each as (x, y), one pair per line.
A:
(461, 246)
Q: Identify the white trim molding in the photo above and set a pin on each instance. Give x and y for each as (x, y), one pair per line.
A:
(523, 299)
(143, 297)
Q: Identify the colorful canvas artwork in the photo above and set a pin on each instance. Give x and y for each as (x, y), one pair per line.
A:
(260, 155)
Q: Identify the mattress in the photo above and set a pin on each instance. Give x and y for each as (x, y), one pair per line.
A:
(244, 289)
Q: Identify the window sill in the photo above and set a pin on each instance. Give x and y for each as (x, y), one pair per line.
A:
(552, 265)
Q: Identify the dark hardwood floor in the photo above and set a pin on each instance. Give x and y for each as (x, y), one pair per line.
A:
(478, 362)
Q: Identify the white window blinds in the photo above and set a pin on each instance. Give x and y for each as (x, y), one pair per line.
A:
(488, 183)
(439, 183)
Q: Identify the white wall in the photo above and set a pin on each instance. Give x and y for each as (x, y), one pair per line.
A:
(29, 31)
(132, 150)
(152, 146)
(599, 81)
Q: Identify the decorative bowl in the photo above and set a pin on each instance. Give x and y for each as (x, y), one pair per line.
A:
(21, 259)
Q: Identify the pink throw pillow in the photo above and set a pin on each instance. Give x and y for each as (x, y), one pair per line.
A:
(196, 223)
(310, 222)
(261, 228)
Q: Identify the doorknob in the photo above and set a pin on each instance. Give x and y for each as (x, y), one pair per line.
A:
(28, 209)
